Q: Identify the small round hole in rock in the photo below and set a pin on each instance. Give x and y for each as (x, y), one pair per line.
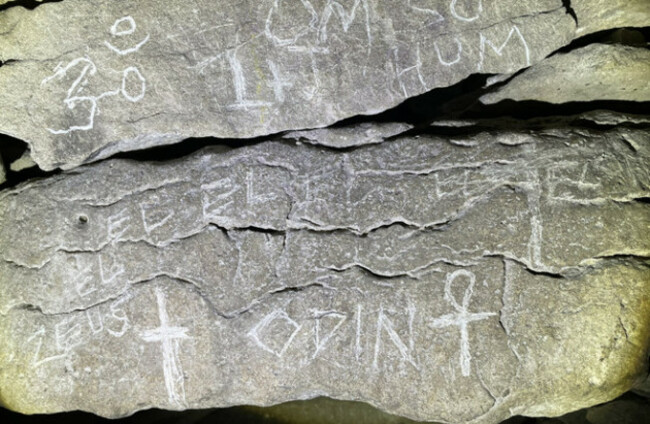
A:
(83, 219)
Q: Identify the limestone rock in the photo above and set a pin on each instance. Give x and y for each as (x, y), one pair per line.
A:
(594, 72)
(23, 162)
(598, 15)
(438, 279)
(86, 79)
(350, 136)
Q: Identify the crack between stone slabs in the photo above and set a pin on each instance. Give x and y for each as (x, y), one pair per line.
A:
(293, 227)
(127, 293)
(27, 4)
(637, 258)
(439, 225)
(570, 11)
(414, 274)
(87, 201)
(370, 118)
(318, 228)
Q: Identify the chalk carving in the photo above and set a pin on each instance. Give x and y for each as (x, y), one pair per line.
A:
(217, 196)
(318, 23)
(150, 218)
(108, 275)
(462, 316)
(384, 324)
(514, 31)
(84, 278)
(459, 52)
(170, 338)
(302, 32)
(257, 331)
(74, 95)
(358, 350)
(438, 17)
(118, 224)
(320, 340)
(457, 15)
(116, 32)
(96, 320)
(417, 67)
(239, 83)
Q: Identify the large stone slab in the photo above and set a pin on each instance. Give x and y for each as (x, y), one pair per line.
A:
(86, 79)
(594, 72)
(598, 15)
(452, 280)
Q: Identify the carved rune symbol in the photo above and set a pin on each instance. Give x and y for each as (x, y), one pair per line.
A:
(462, 317)
(275, 323)
(169, 337)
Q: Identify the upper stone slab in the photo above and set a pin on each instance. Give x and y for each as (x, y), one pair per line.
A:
(83, 79)
(595, 72)
(599, 15)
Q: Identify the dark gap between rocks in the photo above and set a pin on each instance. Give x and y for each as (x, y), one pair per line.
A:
(536, 109)
(6, 62)
(627, 36)
(418, 111)
(12, 149)
(569, 10)
(321, 410)
(27, 4)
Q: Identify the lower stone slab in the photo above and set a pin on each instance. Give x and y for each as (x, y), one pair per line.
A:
(441, 279)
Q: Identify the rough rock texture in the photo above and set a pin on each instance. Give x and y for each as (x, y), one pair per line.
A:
(598, 15)
(594, 72)
(23, 162)
(439, 279)
(350, 136)
(137, 74)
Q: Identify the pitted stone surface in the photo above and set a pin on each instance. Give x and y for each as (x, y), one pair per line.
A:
(594, 72)
(86, 79)
(412, 275)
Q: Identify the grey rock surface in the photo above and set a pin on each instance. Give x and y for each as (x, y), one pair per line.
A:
(86, 79)
(598, 15)
(25, 161)
(594, 72)
(453, 280)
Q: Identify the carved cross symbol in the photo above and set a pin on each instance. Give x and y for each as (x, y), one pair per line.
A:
(462, 317)
(169, 337)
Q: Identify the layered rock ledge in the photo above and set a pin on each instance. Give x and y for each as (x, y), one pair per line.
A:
(457, 279)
